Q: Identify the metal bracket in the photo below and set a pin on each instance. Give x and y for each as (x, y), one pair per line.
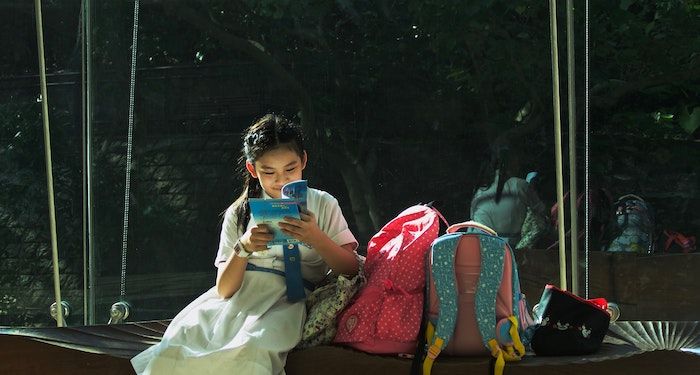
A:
(119, 312)
(53, 310)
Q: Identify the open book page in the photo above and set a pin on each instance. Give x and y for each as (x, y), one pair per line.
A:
(271, 211)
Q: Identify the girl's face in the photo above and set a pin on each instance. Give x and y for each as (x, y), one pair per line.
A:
(276, 168)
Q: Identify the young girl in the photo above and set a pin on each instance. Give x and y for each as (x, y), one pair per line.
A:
(501, 201)
(245, 324)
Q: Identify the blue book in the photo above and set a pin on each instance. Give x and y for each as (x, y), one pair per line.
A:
(296, 191)
(271, 211)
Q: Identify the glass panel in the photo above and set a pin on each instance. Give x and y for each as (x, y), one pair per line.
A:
(26, 273)
(402, 104)
(645, 116)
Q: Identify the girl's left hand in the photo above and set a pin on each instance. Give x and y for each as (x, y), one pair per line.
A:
(305, 230)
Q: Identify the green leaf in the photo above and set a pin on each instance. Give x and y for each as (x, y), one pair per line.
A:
(649, 27)
(690, 121)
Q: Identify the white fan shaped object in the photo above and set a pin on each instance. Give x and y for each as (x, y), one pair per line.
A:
(656, 335)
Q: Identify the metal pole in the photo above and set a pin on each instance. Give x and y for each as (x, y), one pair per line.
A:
(47, 154)
(557, 141)
(573, 191)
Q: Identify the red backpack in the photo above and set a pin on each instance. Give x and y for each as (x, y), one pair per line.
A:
(385, 316)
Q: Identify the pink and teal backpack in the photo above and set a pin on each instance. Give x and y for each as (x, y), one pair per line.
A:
(474, 304)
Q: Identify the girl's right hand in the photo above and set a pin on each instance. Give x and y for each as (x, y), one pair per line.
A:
(256, 238)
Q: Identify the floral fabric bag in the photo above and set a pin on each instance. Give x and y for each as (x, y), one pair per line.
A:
(324, 305)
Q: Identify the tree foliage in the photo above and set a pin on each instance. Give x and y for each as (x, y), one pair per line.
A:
(401, 101)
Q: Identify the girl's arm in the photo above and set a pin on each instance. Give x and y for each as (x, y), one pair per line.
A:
(230, 275)
(341, 259)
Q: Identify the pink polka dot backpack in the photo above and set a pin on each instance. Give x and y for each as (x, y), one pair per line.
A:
(386, 314)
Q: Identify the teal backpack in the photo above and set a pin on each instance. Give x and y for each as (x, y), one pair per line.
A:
(473, 301)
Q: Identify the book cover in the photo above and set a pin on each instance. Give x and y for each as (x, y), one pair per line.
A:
(296, 191)
(272, 211)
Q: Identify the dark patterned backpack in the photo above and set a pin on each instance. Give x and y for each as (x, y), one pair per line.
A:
(634, 226)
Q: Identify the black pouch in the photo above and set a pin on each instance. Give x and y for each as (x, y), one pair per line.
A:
(568, 324)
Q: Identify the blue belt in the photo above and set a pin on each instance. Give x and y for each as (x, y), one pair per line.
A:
(292, 269)
(294, 295)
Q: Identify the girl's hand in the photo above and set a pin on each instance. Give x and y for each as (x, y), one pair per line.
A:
(305, 230)
(256, 238)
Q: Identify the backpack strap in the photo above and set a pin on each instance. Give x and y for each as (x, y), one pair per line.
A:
(478, 227)
(521, 310)
(447, 224)
(443, 274)
(515, 280)
(491, 274)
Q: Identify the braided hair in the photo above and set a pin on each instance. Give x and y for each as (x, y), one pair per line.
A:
(498, 167)
(268, 133)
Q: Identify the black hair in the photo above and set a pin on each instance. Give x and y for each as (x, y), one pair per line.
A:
(496, 165)
(265, 134)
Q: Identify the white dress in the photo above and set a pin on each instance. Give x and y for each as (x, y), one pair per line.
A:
(251, 332)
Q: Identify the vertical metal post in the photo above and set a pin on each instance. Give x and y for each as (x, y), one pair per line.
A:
(573, 191)
(557, 141)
